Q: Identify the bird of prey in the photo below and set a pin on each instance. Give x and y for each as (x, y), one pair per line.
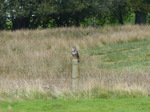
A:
(75, 53)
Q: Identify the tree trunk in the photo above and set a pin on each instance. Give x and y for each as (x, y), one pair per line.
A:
(2, 25)
(140, 18)
(21, 23)
(120, 15)
(120, 18)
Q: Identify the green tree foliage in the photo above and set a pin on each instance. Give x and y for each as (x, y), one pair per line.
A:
(20, 14)
(99, 11)
(41, 15)
(2, 14)
(141, 9)
(69, 12)
(119, 11)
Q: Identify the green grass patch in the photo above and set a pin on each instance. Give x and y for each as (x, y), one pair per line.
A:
(130, 55)
(100, 105)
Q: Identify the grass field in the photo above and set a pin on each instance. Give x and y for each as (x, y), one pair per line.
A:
(99, 105)
(123, 55)
(36, 64)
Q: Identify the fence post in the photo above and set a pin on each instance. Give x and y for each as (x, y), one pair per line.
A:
(75, 74)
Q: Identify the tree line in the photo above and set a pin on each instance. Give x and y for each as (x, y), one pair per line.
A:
(31, 14)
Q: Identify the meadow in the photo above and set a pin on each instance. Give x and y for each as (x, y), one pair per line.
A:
(36, 64)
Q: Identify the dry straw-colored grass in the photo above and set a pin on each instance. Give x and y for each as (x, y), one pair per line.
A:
(30, 59)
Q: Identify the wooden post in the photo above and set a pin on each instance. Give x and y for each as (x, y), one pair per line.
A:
(75, 75)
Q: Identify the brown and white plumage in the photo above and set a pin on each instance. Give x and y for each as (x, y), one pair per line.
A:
(75, 53)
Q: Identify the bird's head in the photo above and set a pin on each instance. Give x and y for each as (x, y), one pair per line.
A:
(73, 48)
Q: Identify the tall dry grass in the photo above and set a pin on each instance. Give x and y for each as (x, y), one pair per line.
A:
(32, 59)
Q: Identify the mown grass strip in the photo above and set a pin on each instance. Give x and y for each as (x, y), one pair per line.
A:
(99, 105)
(122, 55)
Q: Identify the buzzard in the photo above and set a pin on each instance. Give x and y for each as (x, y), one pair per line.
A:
(75, 53)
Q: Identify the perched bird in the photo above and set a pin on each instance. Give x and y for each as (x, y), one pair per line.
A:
(75, 53)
